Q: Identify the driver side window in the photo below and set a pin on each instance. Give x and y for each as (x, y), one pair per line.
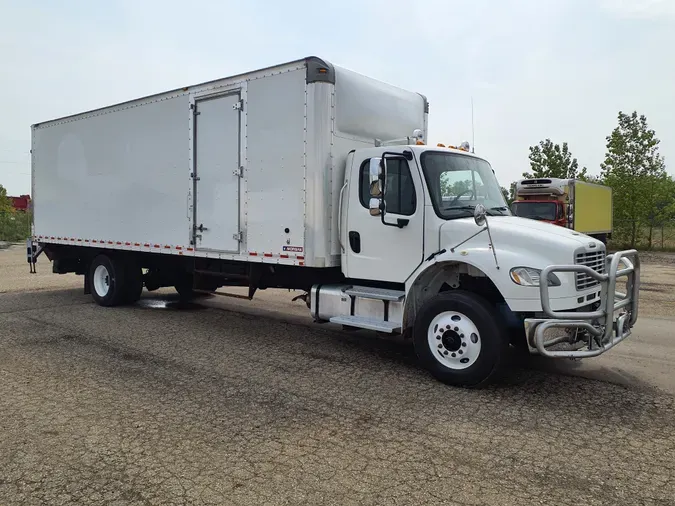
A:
(400, 197)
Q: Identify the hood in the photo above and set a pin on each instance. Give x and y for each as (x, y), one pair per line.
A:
(520, 236)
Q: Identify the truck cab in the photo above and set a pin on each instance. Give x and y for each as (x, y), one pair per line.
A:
(544, 199)
(430, 249)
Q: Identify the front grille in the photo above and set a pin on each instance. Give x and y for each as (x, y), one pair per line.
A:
(596, 261)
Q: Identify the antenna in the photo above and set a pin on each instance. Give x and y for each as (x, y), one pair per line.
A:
(473, 133)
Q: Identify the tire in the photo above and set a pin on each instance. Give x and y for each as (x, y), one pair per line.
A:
(471, 349)
(134, 283)
(184, 287)
(108, 281)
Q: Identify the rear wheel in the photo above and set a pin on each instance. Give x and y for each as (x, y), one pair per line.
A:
(134, 283)
(459, 340)
(107, 281)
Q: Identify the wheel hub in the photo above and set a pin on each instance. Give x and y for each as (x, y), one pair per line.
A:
(455, 340)
(451, 340)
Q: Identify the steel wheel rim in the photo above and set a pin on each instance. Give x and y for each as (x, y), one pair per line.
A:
(101, 280)
(454, 340)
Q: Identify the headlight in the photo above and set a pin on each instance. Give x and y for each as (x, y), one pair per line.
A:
(527, 276)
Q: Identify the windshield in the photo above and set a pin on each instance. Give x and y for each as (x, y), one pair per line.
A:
(535, 210)
(458, 182)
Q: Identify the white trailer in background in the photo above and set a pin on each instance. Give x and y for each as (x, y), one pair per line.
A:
(312, 177)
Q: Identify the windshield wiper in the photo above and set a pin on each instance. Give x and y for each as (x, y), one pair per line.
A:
(460, 208)
(501, 209)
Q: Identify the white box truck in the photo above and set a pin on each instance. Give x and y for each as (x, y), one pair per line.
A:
(312, 177)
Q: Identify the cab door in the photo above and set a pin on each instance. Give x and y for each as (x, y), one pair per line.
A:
(372, 249)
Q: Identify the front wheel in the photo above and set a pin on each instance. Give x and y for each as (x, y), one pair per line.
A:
(458, 338)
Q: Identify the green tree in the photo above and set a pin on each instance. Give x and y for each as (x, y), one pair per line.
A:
(508, 194)
(6, 206)
(551, 160)
(636, 172)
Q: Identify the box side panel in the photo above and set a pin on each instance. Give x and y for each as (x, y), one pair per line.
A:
(120, 175)
(320, 169)
(275, 164)
(592, 208)
(367, 109)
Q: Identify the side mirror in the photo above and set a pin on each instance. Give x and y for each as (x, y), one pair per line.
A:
(375, 171)
(479, 214)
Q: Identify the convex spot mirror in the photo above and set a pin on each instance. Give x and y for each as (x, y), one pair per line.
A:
(375, 171)
(479, 214)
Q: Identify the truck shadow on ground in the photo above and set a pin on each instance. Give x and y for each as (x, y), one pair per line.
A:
(521, 368)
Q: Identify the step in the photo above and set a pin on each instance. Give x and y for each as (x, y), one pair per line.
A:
(366, 292)
(363, 322)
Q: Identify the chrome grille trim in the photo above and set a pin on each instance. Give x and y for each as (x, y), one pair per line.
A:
(596, 260)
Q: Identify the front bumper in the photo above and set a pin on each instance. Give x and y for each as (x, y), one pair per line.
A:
(589, 333)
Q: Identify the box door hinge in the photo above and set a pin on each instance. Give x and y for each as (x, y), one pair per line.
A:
(239, 172)
(239, 106)
(239, 236)
(194, 109)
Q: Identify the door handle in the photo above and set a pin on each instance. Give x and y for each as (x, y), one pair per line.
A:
(201, 227)
(355, 241)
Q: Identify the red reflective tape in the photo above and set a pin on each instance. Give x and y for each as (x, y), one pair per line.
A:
(127, 244)
(253, 254)
(156, 245)
(137, 244)
(110, 242)
(190, 249)
(268, 254)
(283, 256)
(119, 243)
(179, 247)
(300, 258)
(146, 245)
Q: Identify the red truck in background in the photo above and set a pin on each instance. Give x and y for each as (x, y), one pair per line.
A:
(21, 203)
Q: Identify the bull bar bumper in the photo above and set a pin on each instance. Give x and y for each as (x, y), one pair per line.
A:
(602, 329)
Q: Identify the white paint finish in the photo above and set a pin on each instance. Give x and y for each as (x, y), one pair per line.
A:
(369, 109)
(275, 162)
(387, 253)
(319, 227)
(454, 340)
(217, 166)
(120, 175)
(117, 176)
(101, 280)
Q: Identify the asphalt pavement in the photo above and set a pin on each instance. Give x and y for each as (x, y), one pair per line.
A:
(230, 402)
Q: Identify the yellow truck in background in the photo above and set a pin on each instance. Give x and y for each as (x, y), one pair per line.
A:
(571, 203)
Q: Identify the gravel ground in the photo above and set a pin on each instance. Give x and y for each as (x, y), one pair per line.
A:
(230, 402)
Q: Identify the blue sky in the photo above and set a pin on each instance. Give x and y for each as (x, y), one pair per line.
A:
(535, 68)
